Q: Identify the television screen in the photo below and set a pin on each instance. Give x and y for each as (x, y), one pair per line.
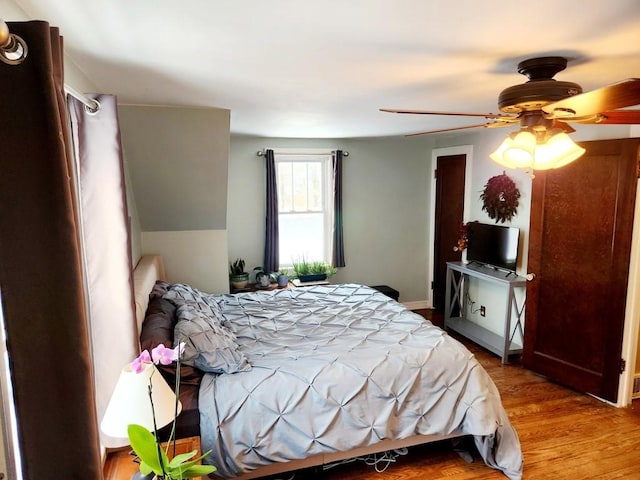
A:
(493, 245)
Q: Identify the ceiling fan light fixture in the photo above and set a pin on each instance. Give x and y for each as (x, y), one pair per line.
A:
(556, 152)
(498, 155)
(522, 149)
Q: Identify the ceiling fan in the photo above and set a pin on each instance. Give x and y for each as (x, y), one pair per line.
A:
(542, 103)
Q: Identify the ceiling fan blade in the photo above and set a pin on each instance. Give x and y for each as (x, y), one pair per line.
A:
(616, 117)
(452, 129)
(457, 114)
(563, 126)
(619, 95)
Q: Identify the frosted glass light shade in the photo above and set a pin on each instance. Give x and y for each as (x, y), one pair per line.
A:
(130, 402)
(498, 155)
(559, 151)
(522, 151)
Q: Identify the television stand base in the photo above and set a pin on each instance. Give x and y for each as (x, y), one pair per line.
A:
(457, 290)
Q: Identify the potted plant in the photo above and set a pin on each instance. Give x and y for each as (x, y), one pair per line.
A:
(154, 458)
(312, 271)
(237, 276)
(264, 279)
(283, 278)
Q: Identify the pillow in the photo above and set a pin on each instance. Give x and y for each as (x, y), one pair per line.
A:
(157, 328)
(181, 294)
(209, 346)
(159, 289)
(158, 324)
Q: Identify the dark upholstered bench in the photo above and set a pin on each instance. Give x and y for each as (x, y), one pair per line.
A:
(388, 291)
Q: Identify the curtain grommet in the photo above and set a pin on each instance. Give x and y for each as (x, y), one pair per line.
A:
(15, 52)
(95, 110)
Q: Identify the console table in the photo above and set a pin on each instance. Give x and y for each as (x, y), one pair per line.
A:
(457, 287)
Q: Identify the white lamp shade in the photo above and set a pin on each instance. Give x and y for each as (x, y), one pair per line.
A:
(130, 402)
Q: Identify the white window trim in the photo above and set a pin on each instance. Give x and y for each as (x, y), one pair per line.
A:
(302, 155)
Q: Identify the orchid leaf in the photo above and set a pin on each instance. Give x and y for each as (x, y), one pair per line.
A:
(180, 468)
(195, 461)
(144, 444)
(180, 459)
(198, 471)
(145, 469)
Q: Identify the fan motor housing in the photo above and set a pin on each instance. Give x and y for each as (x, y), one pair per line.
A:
(541, 89)
(535, 94)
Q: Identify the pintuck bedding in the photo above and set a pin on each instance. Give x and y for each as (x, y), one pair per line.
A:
(305, 371)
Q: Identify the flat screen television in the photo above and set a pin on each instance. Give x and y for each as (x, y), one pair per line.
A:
(493, 245)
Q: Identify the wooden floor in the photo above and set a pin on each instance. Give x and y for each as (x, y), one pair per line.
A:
(563, 434)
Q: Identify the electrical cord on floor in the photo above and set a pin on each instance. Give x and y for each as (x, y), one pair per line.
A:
(379, 461)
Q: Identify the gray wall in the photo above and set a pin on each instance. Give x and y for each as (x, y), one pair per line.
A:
(385, 199)
(177, 160)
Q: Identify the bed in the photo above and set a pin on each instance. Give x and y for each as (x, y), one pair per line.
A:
(275, 381)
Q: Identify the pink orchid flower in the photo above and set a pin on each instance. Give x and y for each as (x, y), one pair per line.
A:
(160, 354)
(138, 364)
(164, 355)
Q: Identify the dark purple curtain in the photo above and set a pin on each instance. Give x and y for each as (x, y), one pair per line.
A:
(338, 238)
(271, 246)
(41, 275)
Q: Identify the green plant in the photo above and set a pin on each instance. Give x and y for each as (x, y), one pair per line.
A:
(153, 458)
(304, 267)
(237, 267)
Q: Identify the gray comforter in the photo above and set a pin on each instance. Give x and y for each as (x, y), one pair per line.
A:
(336, 367)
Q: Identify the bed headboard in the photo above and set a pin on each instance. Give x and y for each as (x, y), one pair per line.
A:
(149, 269)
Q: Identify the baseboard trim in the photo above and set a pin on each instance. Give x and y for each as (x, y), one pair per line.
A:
(419, 305)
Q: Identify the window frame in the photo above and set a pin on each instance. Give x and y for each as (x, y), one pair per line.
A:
(325, 158)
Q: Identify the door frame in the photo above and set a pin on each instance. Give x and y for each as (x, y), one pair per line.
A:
(631, 329)
(466, 150)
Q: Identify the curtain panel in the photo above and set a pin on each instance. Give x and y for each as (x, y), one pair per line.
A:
(338, 237)
(41, 278)
(271, 245)
(105, 244)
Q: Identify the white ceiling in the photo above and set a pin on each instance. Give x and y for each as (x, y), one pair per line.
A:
(322, 68)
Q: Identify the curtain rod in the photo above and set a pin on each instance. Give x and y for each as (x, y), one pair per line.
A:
(92, 105)
(13, 51)
(262, 153)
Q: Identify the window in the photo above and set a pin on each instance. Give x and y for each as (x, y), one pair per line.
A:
(305, 207)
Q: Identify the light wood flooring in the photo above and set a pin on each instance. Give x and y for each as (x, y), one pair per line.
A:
(564, 435)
